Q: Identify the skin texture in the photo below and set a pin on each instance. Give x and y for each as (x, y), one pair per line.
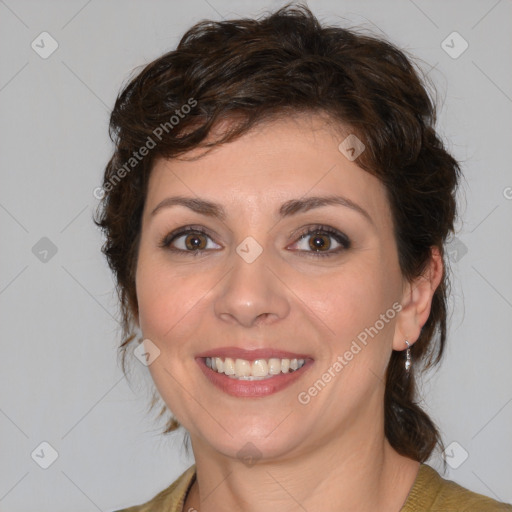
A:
(330, 454)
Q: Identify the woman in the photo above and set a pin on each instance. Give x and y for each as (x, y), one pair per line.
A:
(275, 210)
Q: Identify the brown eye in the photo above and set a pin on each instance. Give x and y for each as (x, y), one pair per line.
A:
(188, 240)
(318, 241)
(195, 242)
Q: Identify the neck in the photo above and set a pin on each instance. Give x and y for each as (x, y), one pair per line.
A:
(357, 472)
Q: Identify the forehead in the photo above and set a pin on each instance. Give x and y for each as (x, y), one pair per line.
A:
(276, 161)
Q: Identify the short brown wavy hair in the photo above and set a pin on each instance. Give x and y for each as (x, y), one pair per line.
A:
(286, 62)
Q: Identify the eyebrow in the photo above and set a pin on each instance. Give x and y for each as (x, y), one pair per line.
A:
(287, 209)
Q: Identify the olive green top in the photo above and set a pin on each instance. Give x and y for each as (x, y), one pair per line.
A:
(429, 493)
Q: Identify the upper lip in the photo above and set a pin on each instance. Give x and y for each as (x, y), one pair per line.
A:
(251, 355)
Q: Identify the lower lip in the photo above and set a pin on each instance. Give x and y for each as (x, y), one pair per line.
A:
(252, 388)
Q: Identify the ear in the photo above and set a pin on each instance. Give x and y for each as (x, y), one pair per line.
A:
(416, 302)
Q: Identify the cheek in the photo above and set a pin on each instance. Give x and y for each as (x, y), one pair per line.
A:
(358, 308)
(153, 294)
(174, 301)
(354, 299)
(168, 299)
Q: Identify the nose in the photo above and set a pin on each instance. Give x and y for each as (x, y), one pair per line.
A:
(251, 294)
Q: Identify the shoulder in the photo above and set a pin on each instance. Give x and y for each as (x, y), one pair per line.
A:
(171, 499)
(432, 492)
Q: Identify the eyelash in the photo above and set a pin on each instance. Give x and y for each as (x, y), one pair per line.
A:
(166, 241)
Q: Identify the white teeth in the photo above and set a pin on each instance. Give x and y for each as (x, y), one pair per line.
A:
(229, 366)
(242, 368)
(258, 369)
(274, 366)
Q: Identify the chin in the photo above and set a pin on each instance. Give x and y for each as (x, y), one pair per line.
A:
(256, 441)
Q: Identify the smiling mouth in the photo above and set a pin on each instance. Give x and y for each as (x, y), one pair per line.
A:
(259, 369)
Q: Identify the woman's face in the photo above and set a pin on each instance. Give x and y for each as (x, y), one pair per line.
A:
(330, 298)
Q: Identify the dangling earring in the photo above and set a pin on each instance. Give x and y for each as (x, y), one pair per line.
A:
(408, 360)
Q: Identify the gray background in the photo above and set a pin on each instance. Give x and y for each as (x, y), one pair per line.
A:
(59, 377)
